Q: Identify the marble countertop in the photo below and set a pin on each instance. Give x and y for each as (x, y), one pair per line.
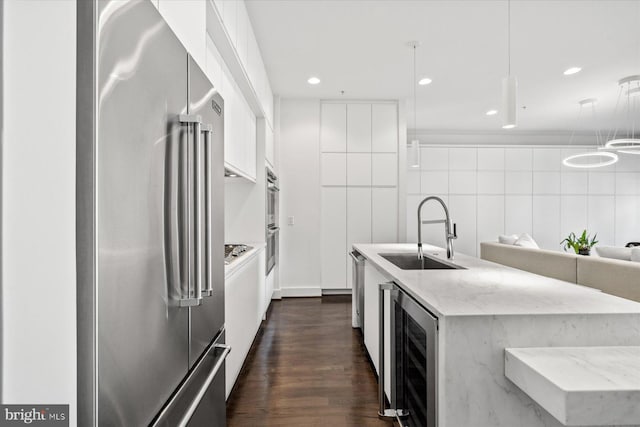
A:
(236, 265)
(486, 288)
(580, 386)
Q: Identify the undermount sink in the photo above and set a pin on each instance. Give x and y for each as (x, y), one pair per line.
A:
(410, 261)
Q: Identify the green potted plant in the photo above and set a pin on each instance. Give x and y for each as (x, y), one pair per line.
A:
(581, 245)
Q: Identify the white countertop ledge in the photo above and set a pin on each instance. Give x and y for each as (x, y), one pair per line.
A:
(237, 265)
(580, 386)
(489, 289)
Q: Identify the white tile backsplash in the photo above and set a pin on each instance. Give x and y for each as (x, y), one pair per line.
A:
(574, 183)
(518, 159)
(434, 158)
(463, 158)
(546, 182)
(518, 182)
(526, 189)
(436, 182)
(491, 159)
(490, 182)
(462, 182)
(602, 183)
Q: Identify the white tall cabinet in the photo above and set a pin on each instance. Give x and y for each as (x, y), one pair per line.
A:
(359, 182)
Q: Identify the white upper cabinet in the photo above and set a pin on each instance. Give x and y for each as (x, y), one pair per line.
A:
(359, 128)
(333, 128)
(229, 18)
(384, 125)
(188, 19)
(242, 37)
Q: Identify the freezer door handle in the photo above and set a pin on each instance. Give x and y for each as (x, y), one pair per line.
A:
(193, 215)
(205, 386)
(207, 129)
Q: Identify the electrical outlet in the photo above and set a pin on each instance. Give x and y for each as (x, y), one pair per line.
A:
(291, 220)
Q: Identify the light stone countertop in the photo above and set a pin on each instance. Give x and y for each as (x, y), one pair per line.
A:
(486, 288)
(237, 265)
(580, 386)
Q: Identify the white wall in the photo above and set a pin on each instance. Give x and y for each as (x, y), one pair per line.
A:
(506, 189)
(299, 169)
(38, 219)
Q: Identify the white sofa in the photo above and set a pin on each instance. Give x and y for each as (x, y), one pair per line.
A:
(615, 277)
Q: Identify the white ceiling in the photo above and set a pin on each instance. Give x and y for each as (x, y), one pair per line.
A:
(359, 47)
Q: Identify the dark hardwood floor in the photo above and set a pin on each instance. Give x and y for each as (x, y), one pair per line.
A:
(307, 367)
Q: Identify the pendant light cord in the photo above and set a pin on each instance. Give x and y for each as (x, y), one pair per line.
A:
(509, 36)
(415, 104)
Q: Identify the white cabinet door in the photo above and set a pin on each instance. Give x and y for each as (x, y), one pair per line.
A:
(384, 168)
(358, 168)
(188, 19)
(373, 278)
(333, 128)
(384, 215)
(269, 145)
(333, 168)
(358, 221)
(359, 128)
(384, 126)
(214, 65)
(229, 18)
(251, 161)
(334, 236)
(242, 31)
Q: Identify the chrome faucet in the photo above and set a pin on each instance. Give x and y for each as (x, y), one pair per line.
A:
(447, 226)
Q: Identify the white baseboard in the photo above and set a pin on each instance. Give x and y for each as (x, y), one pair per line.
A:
(337, 292)
(300, 292)
(277, 294)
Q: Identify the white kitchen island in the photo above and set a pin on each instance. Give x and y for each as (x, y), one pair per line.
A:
(486, 308)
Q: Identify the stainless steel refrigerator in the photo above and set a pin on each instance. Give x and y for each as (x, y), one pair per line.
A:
(150, 243)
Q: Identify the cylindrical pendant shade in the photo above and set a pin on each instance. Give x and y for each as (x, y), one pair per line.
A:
(414, 154)
(509, 102)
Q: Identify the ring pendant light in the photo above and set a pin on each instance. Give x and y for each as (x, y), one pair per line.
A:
(630, 143)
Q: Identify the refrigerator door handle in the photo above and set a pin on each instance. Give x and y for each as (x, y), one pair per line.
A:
(194, 281)
(205, 386)
(207, 129)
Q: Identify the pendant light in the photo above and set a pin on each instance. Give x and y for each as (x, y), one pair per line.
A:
(590, 159)
(414, 148)
(509, 84)
(626, 138)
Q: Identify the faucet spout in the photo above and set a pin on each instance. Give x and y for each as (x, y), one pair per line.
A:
(447, 226)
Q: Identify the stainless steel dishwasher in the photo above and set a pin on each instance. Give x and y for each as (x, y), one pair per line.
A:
(358, 287)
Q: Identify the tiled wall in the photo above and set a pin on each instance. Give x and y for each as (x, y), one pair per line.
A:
(492, 190)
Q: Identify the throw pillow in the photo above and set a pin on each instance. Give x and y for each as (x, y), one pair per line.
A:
(526, 241)
(507, 240)
(614, 252)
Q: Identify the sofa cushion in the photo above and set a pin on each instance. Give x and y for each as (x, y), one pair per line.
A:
(614, 252)
(613, 276)
(553, 264)
(506, 239)
(635, 254)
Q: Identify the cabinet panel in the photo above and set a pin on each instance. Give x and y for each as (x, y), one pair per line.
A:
(214, 65)
(333, 128)
(188, 21)
(270, 149)
(229, 18)
(384, 215)
(358, 169)
(334, 236)
(385, 169)
(384, 125)
(358, 222)
(359, 128)
(242, 31)
(372, 278)
(333, 168)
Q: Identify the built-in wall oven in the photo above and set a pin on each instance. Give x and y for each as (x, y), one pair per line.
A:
(414, 340)
(273, 229)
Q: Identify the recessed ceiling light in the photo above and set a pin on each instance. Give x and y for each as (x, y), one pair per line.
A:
(424, 81)
(572, 70)
(491, 112)
(508, 126)
(313, 80)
